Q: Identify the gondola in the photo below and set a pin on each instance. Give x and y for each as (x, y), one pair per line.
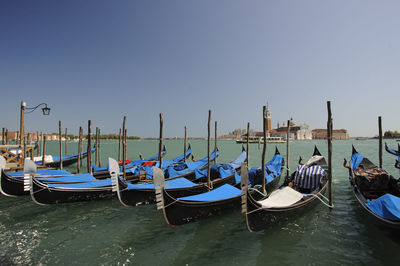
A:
(101, 171)
(12, 183)
(298, 194)
(51, 193)
(226, 198)
(144, 193)
(53, 161)
(171, 170)
(375, 189)
(392, 151)
(74, 188)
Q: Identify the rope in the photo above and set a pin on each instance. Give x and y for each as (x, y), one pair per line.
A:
(170, 203)
(39, 190)
(262, 194)
(323, 197)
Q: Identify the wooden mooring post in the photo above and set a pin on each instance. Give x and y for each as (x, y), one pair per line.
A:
(287, 149)
(184, 146)
(66, 141)
(247, 144)
(89, 148)
(160, 145)
(124, 146)
(78, 165)
(37, 144)
(3, 137)
(119, 146)
(99, 149)
(380, 141)
(96, 158)
(44, 151)
(329, 129)
(60, 136)
(215, 145)
(41, 141)
(208, 150)
(21, 128)
(264, 149)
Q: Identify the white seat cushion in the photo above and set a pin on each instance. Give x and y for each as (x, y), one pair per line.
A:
(283, 197)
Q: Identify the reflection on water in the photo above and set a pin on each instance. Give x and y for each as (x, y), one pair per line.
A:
(105, 232)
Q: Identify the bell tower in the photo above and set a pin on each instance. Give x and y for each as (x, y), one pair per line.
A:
(268, 118)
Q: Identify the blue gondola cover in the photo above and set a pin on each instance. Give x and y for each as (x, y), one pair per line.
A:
(356, 159)
(42, 173)
(272, 169)
(72, 178)
(223, 192)
(386, 206)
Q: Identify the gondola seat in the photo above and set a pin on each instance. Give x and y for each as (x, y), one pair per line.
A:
(373, 182)
(308, 178)
(282, 197)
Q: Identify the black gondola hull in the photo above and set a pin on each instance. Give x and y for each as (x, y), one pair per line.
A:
(258, 219)
(362, 200)
(136, 197)
(182, 212)
(11, 186)
(42, 194)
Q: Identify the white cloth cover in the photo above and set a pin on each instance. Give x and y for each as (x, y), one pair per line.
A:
(283, 197)
(47, 158)
(314, 159)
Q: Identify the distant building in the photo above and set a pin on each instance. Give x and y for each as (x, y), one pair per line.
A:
(337, 134)
(229, 137)
(297, 132)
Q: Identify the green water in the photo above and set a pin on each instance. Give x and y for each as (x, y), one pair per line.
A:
(107, 233)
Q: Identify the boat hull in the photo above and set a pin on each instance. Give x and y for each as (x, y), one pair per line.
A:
(12, 186)
(135, 197)
(179, 212)
(258, 218)
(43, 195)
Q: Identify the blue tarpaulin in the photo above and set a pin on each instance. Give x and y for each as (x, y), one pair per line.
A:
(223, 192)
(40, 173)
(183, 168)
(356, 159)
(386, 206)
(73, 178)
(272, 170)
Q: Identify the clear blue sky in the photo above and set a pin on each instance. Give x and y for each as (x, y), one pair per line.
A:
(101, 60)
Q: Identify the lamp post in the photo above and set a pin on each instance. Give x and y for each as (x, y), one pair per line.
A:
(45, 110)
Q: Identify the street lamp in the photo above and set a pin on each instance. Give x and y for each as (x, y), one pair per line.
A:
(45, 110)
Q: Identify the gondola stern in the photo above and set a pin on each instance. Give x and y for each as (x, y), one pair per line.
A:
(353, 150)
(316, 151)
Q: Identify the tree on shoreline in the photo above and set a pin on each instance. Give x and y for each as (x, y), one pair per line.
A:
(391, 134)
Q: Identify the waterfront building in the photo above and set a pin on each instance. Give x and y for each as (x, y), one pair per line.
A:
(337, 134)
